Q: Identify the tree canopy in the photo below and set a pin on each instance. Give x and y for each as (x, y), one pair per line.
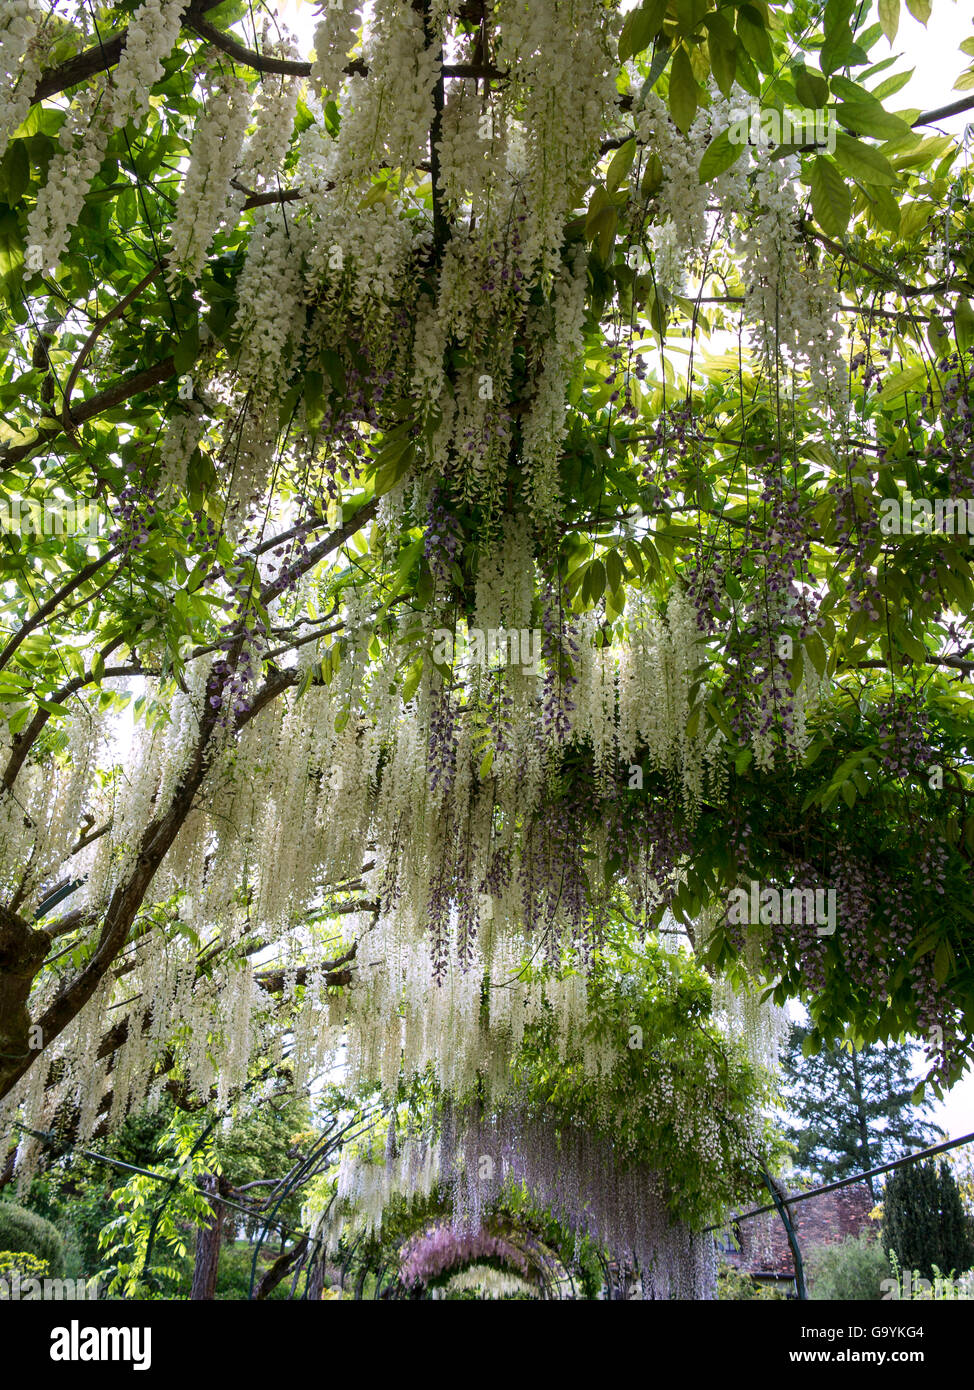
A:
(481, 500)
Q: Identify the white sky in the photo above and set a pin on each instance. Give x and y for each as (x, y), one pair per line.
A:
(934, 54)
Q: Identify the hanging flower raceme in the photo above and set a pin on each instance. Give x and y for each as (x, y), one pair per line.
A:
(21, 53)
(207, 197)
(84, 137)
(433, 1253)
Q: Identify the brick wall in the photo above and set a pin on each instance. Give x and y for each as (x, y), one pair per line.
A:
(820, 1220)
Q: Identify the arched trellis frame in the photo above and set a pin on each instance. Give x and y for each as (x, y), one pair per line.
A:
(320, 1158)
(551, 1270)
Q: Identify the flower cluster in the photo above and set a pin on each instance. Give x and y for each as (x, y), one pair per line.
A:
(206, 195)
(488, 1282)
(271, 301)
(275, 105)
(435, 1252)
(789, 306)
(95, 113)
(386, 116)
(82, 142)
(152, 32)
(334, 37)
(903, 737)
(20, 64)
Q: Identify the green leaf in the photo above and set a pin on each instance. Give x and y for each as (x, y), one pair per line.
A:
(892, 85)
(924, 154)
(746, 73)
(719, 155)
(392, 464)
(615, 603)
(964, 324)
(889, 17)
(910, 643)
(652, 175)
(601, 213)
(18, 719)
(53, 707)
(620, 164)
(831, 201)
(614, 570)
(15, 172)
(187, 349)
(811, 88)
(594, 586)
(641, 27)
(408, 560)
(943, 958)
(869, 118)
(659, 63)
(722, 46)
(901, 382)
(836, 48)
(314, 402)
(307, 676)
(816, 651)
(332, 364)
(683, 91)
(11, 249)
(920, 10)
(862, 161)
(411, 683)
(884, 210)
(754, 36)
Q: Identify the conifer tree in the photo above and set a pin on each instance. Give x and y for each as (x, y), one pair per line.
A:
(850, 1111)
(924, 1220)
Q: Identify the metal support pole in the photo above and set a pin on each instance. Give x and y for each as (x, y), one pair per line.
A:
(791, 1234)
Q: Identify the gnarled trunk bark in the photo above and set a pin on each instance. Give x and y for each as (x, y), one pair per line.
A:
(208, 1241)
(22, 952)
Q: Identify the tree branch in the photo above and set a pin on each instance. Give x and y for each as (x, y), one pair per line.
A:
(23, 742)
(260, 62)
(954, 109)
(117, 393)
(67, 423)
(56, 599)
(280, 1268)
(98, 58)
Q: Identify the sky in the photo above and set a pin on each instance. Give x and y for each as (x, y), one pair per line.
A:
(933, 52)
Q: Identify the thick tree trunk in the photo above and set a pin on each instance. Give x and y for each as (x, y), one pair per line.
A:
(208, 1241)
(22, 950)
(281, 1268)
(861, 1119)
(316, 1283)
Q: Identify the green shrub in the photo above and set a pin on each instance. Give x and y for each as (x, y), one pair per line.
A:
(735, 1284)
(850, 1269)
(21, 1264)
(924, 1220)
(21, 1229)
(911, 1285)
(233, 1277)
